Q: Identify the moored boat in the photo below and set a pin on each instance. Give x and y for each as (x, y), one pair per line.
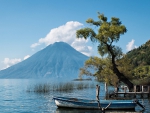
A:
(77, 103)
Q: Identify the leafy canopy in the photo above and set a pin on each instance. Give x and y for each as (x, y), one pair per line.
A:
(108, 33)
(99, 68)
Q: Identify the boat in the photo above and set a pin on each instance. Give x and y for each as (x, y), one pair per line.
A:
(66, 102)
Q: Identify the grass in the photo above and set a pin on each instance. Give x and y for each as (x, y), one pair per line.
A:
(39, 88)
(65, 87)
(60, 87)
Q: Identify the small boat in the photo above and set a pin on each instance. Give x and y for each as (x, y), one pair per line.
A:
(76, 103)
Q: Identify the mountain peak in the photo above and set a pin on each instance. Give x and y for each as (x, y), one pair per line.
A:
(56, 60)
(60, 44)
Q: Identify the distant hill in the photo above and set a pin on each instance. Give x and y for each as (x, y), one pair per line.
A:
(140, 56)
(58, 60)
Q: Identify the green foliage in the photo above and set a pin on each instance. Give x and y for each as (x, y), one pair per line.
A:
(125, 67)
(86, 32)
(140, 59)
(99, 68)
(140, 56)
(108, 34)
(141, 72)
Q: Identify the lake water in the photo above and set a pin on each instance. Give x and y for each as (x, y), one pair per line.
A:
(14, 98)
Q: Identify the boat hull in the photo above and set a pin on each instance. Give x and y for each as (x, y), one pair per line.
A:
(93, 104)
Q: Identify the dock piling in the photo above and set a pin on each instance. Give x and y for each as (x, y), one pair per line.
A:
(97, 90)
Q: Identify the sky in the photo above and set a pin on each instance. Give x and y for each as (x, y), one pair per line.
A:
(28, 26)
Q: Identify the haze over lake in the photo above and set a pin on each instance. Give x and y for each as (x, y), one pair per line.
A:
(15, 98)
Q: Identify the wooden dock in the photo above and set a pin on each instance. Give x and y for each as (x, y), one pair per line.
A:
(138, 90)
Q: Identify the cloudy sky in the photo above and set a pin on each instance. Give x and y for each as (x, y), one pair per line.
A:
(27, 26)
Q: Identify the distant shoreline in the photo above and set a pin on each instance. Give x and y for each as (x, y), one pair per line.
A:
(86, 79)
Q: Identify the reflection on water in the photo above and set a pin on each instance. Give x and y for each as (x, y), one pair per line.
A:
(14, 98)
(76, 111)
(62, 110)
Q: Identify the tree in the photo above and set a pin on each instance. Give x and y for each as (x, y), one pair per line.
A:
(108, 33)
(100, 68)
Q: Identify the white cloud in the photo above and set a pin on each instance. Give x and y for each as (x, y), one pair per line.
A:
(27, 56)
(81, 45)
(34, 45)
(131, 45)
(66, 33)
(8, 62)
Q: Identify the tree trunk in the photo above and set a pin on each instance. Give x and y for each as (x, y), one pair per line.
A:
(121, 76)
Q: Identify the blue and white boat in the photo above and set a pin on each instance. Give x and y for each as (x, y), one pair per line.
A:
(94, 104)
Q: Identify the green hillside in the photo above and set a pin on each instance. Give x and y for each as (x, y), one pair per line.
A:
(140, 59)
(140, 56)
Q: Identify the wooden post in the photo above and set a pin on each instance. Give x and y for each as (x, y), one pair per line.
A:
(125, 90)
(142, 88)
(116, 91)
(135, 91)
(97, 95)
(106, 89)
(135, 88)
(149, 91)
(97, 90)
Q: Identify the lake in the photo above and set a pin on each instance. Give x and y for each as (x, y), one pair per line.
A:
(14, 97)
